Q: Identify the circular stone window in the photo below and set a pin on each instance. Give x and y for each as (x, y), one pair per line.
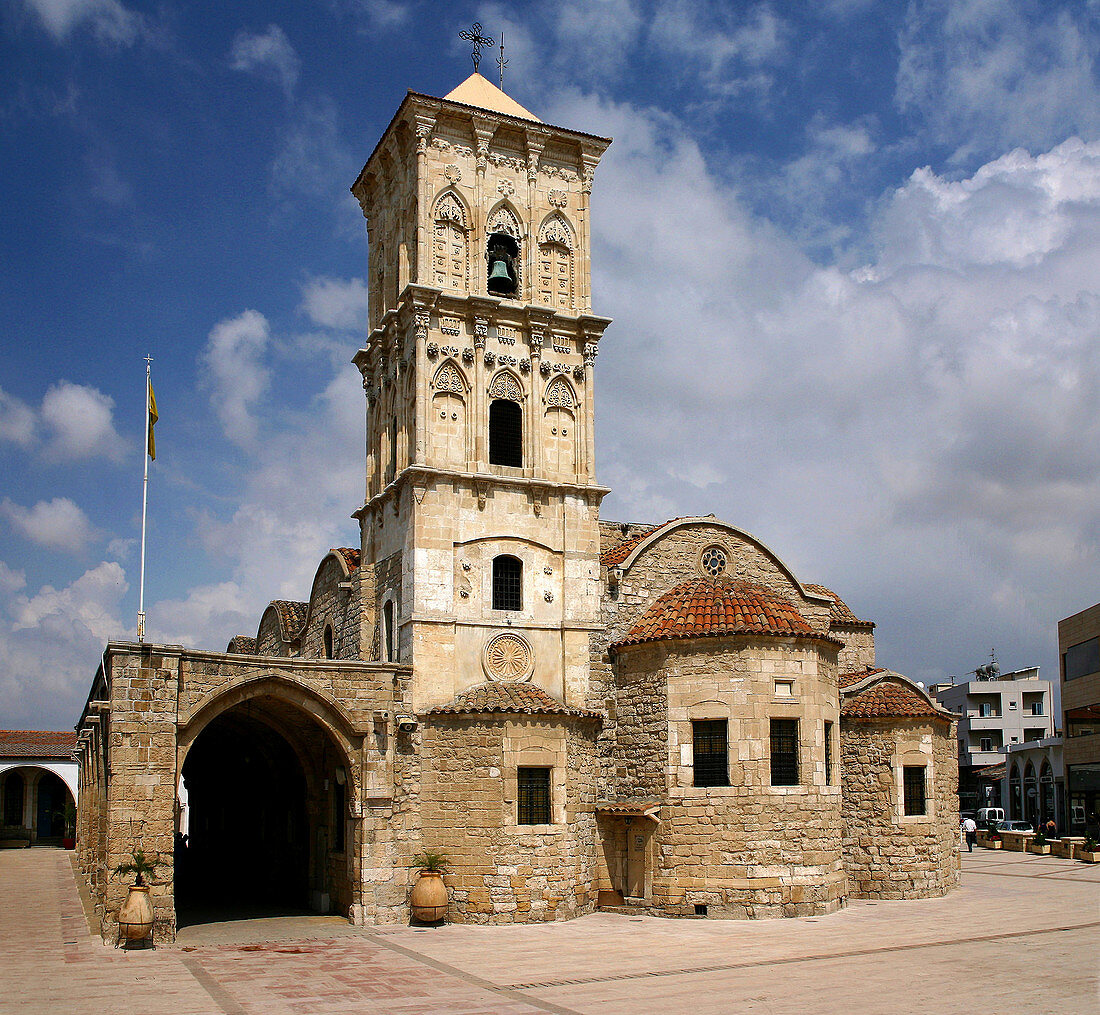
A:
(507, 656)
(713, 561)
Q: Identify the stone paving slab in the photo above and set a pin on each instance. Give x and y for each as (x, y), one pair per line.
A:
(1021, 935)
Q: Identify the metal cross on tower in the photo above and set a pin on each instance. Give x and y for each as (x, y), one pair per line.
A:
(501, 62)
(477, 40)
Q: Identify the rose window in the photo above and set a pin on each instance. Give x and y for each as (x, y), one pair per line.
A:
(713, 561)
(508, 657)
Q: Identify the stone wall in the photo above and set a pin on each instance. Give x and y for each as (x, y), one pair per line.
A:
(889, 855)
(749, 849)
(333, 600)
(501, 871)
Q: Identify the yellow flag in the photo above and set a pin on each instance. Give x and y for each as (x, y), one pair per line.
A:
(152, 421)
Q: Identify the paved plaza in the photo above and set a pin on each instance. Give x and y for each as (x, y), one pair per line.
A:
(1022, 935)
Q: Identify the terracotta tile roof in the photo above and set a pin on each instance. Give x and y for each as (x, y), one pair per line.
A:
(292, 615)
(36, 743)
(507, 696)
(845, 679)
(709, 607)
(840, 612)
(630, 807)
(242, 644)
(350, 555)
(615, 555)
(991, 771)
(889, 698)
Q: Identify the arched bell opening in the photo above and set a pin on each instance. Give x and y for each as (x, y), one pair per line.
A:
(266, 792)
(502, 253)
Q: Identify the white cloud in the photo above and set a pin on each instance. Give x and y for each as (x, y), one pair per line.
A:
(78, 421)
(268, 54)
(109, 20)
(237, 377)
(988, 75)
(313, 159)
(58, 524)
(51, 641)
(17, 420)
(336, 303)
(381, 15)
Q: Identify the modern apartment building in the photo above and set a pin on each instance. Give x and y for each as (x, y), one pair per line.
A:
(997, 710)
(1079, 651)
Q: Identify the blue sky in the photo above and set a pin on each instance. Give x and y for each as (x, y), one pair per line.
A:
(850, 248)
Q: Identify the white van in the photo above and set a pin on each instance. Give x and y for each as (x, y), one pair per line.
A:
(987, 814)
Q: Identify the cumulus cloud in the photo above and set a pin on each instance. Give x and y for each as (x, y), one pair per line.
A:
(268, 54)
(929, 420)
(108, 20)
(17, 420)
(987, 75)
(313, 159)
(79, 424)
(58, 524)
(336, 303)
(50, 642)
(236, 373)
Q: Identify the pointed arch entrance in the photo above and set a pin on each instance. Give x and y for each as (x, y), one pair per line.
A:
(263, 814)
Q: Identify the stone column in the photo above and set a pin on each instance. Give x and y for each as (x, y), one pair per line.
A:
(590, 351)
(424, 126)
(144, 682)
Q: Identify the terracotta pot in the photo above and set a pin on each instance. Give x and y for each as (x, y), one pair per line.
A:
(135, 918)
(69, 843)
(429, 897)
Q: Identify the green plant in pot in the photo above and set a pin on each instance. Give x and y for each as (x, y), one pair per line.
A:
(67, 815)
(428, 897)
(135, 918)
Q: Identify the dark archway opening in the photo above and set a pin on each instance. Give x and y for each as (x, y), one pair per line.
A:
(53, 795)
(247, 850)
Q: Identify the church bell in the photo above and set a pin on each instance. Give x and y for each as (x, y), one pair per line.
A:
(500, 281)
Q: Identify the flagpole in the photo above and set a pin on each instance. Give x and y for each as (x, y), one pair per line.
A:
(144, 504)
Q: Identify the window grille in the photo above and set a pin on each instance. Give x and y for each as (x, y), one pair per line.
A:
(828, 754)
(710, 752)
(507, 583)
(534, 795)
(784, 751)
(913, 782)
(505, 434)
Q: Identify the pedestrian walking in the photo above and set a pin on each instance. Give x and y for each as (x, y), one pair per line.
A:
(970, 830)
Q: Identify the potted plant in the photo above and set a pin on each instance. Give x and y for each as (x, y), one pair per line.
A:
(135, 918)
(68, 815)
(1086, 850)
(1039, 845)
(428, 898)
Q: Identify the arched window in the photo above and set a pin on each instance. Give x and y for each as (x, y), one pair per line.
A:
(388, 644)
(328, 641)
(556, 263)
(505, 433)
(507, 583)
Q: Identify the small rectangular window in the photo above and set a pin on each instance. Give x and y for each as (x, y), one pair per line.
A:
(784, 688)
(1012, 706)
(784, 752)
(828, 754)
(1036, 708)
(987, 744)
(710, 752)
(507, 583)
(914, 789)
(534, 795)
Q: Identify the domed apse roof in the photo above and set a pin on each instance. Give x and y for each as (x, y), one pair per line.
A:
(711, 607)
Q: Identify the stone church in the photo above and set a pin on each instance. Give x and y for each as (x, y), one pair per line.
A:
(580, 714)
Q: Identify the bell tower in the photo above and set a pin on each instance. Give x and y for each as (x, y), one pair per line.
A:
(480, 519)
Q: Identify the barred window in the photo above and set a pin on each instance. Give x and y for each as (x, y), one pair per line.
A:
(507, 583)
(710, 752)
(913, 783)
(534, 795)
(784, 752)
(828, 754)
(505, 433)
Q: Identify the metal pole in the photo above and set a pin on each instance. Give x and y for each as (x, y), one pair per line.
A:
(144, 504)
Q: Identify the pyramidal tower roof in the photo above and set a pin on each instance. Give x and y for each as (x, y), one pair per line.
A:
(481, 92)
